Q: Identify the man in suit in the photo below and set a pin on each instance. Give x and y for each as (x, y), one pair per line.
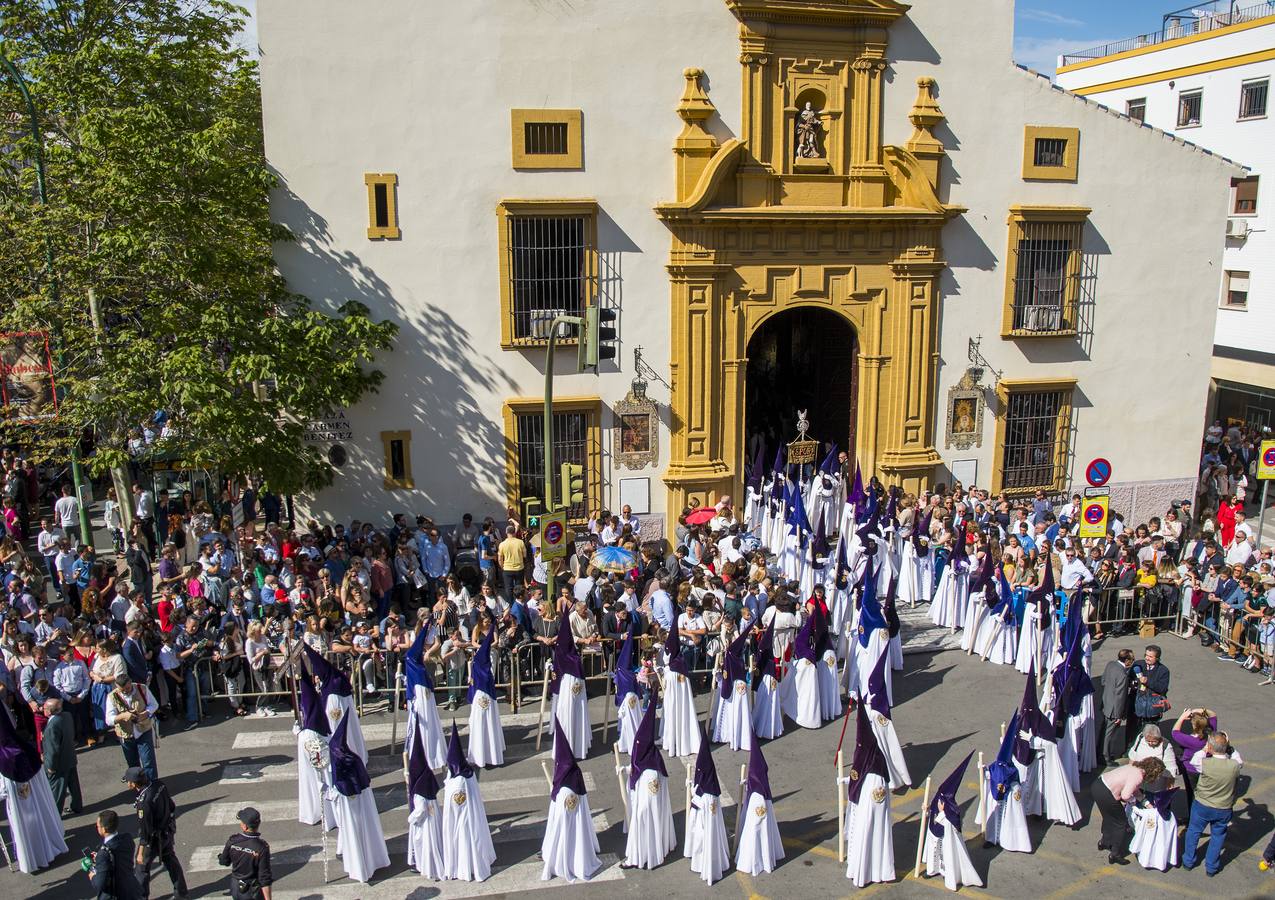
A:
(111, 872)
(615, 624)
(135, 655)
(59, 757)
(1115, 706)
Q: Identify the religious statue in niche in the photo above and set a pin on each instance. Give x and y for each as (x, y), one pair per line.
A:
(965, 415)
(808, 128)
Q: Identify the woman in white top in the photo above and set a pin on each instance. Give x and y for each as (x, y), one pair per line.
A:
(1152, 745)
(257, 650)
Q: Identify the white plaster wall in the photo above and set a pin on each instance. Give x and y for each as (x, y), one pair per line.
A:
(1250, 142)
(424, 90)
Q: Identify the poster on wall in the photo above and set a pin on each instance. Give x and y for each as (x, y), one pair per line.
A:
(27, 391)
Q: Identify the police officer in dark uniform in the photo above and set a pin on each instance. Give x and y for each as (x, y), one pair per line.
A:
(156, 831)
(249, 859)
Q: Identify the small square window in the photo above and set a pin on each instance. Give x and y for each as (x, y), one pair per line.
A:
(1136, 109)
(547, 138)
(1253, 98)
(1235, 290)
(1051, 152)
(1190, 108)
(544, 138)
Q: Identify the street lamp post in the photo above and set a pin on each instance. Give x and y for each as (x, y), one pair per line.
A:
(43, 192)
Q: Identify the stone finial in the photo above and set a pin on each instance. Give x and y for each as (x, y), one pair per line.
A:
(695, 105)
(925, 116)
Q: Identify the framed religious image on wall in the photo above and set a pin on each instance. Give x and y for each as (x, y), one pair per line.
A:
(636, 433)
(964, 416)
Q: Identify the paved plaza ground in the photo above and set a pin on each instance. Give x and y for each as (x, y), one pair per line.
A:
(947, 703)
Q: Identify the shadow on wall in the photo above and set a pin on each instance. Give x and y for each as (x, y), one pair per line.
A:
(432, 391)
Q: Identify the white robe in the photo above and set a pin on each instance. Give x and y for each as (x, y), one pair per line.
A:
(467, 849)
(706, 844)
(829, 688)
(38, 836)
(947, 856)
(865, 660)
(909, 576)
(422, 707)
(570, 845)
(628, 715)
(311, 783)
(759, 842)
(571, 706)
(1006, 819)
(888, 740)
(997, 641)
(947, 610)
(1057, 796)
(680, 732)
(486, 736)
(768, 713)
(1087, 750)
(976, 613)
(869, 835)
(733, 722)
(1031, 640)
(650, 824)
(360, 842)
(341, 706)
(1155, 840)
(1029, 779)
(425, 838)
(1068, 757)
(806, 678)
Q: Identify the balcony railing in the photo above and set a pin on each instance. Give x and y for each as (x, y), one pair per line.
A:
(1198, 19)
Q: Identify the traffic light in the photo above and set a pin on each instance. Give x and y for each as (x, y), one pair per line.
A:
(531, 511)
(572, 484)
(597, 338)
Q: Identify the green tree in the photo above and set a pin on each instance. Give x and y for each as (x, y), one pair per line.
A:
(159, 204)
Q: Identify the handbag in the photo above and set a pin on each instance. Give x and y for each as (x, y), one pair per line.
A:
(1150, 705)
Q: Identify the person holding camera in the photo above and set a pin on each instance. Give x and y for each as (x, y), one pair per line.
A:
(192, 646)
(248, 857)
(110, 868)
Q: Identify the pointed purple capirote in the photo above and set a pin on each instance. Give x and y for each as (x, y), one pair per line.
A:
(481, 678)
(673, 649)
(625, 677)
(1032, 721)
(735, 669)
(566, 772)
(566, 657)
(856, 491)
(890, 608)
(1002, 774)
(819, 547)
(705, 771)
(349, 774)
(1043, 594)
(313, 716)
(829, 464)
(878, 696)
(414, 665)
(871, 616)
(758, 771)
(334, 680)
(764, 655)
(420, 777)
(868, 757)
(19, 760)
(755, 475)
(947, 795)
(921, 532)
(457, 764)
(646, 752)
(803, 645)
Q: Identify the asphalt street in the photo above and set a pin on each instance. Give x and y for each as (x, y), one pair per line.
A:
(947, 704)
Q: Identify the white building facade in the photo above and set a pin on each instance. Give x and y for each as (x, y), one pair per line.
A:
(1206, 77)
(467, 170)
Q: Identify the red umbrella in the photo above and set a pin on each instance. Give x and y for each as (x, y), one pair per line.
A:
(701, 515)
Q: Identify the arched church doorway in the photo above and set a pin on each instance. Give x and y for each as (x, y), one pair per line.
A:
(803, 358)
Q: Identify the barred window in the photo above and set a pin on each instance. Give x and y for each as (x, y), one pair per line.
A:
(1051, 152)
(544, 138)
(549, 259)
(571, 432)
(1190, 106)
(1033, 439)
(1136, 109)
(1253, 99)
(1045, 275)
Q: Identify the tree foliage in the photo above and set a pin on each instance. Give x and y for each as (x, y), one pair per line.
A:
(159, 202)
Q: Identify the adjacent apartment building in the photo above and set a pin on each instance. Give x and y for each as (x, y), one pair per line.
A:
(1205, 76)
(858, 209)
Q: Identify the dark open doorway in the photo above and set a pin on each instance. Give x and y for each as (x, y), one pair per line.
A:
(803, 358)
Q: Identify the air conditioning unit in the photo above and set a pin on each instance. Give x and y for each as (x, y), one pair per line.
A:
(1237, 228)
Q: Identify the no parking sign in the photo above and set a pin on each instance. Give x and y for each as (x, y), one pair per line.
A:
(1093, 517)
(553, 535)
(1266, 462)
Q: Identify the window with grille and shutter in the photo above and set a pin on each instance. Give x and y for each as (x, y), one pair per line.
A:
(1032, 436)
(576, 439)
(1046, 271)
(1253, 98)
(548, 266)
(1190, 108)
(1235, 290)
(546, 138)
(1245, 196)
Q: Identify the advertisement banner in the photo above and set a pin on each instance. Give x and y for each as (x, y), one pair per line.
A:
(27, 391)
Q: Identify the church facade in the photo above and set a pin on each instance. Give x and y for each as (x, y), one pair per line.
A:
(851, 209)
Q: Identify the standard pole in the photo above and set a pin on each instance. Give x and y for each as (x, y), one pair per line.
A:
(43, 192)
(551, 594)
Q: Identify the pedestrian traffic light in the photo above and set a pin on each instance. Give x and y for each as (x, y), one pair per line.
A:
(572, 484)
(531, 511)
(597, 338)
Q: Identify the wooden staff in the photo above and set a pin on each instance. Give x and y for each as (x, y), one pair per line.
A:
(925, 817)
(973, 629)
(606, 710)
(689, 780)
(1002, 731)
(712, 697)
(982, 794)
(740, 806)
(624, 785)
(841, 811)
(544, 767)
(996, 633)
(544, 703)
(398, 687)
